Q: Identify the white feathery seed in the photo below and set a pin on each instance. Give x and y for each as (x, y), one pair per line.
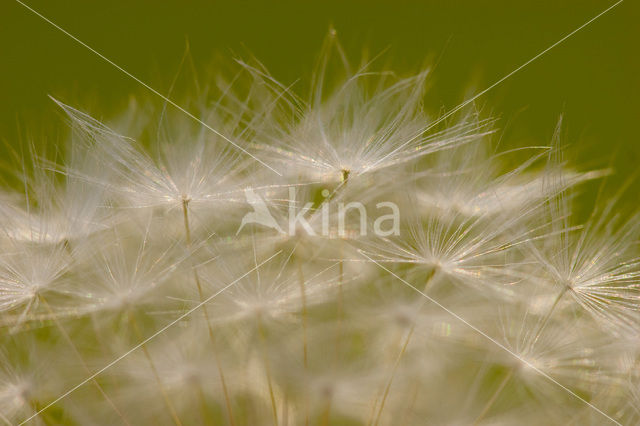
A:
(401, 267)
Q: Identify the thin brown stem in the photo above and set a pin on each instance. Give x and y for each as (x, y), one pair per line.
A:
(546, 318)
(345, 181)
(340, 309)
(429, 279)
(285, 411)
(163, 392)
(303, 296)
(267, 369)
(494, 397)
(326, 414)
(412, 403)
(393, 373)
(196, 277)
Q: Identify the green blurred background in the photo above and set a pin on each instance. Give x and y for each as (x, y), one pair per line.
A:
(592, 78)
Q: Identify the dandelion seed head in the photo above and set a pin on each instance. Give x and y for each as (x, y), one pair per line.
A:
(155, 263)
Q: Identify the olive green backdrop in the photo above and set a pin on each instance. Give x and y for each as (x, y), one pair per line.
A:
(593, 78)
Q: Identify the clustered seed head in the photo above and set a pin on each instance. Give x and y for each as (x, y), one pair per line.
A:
(159, 266)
